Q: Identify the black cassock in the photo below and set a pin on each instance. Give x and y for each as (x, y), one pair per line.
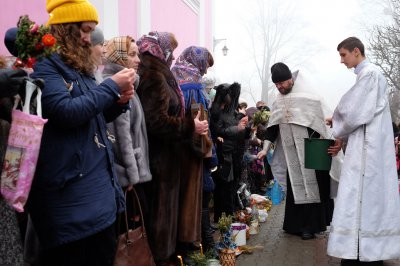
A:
(310, 217)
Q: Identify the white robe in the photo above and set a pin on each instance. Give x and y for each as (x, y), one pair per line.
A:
(366, 218)
(302, 108)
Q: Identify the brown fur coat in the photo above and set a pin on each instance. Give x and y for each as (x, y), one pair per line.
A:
(166, 132)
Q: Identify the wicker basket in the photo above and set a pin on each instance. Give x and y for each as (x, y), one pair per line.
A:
(227, 257)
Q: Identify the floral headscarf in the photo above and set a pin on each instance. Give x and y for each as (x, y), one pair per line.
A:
(191, 65)
(116, 49)
(159, 45)
(156, 43)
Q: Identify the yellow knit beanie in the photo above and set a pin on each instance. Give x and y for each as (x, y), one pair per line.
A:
(69, 11)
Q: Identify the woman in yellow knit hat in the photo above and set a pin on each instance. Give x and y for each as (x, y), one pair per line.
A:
(75, 194)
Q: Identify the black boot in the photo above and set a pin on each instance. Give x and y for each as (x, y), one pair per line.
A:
(207, 238)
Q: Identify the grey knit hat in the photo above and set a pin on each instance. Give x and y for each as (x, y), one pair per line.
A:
(97, 37)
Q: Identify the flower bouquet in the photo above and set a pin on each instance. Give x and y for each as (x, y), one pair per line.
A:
(261, 117)
(33, 41)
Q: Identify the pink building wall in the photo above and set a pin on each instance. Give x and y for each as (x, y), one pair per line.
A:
(128, 18)
(180, 20)
(166, 15)
(13, 9)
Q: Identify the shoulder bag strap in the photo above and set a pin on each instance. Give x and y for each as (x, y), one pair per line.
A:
(140, 210)
(126, 214)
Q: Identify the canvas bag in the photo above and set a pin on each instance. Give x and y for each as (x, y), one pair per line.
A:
(22, 150)
(133, 247)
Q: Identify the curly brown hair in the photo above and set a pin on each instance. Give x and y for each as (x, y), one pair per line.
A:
(72, 52)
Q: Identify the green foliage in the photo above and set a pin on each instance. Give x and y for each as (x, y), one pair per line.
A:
(261, 117)
(224, 223)
(30, 43)
(201, 260)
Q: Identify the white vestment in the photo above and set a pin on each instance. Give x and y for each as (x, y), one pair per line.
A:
(294, 113)
(366, 218)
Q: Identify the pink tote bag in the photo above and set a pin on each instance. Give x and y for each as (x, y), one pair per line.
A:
(22, 151)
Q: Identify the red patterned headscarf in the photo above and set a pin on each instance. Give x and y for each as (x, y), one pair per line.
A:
(156, 43)
(191, 65)
(159, 45)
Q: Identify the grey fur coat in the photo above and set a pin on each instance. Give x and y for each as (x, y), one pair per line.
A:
(131, 145)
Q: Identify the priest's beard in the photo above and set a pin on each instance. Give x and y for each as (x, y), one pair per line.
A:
(286, 90)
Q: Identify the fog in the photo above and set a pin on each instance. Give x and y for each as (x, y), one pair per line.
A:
(316, 27)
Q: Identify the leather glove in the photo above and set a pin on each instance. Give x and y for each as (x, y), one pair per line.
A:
(11, 81)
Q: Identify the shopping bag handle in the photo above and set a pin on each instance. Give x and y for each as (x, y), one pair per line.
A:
(320, 135)
(30, 88)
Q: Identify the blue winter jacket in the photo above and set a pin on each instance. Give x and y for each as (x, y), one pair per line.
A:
(75, 192)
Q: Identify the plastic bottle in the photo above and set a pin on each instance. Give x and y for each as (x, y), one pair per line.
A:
(276, 192)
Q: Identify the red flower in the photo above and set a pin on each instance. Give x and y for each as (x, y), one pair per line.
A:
(31, 61)
(39, 47)
(48, 40)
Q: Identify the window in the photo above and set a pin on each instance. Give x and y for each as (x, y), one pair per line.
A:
(193, 4)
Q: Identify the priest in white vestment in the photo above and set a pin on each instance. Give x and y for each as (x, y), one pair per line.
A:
(297, 113)
(366, 219)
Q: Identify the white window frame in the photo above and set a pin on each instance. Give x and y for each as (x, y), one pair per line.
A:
(193, 4)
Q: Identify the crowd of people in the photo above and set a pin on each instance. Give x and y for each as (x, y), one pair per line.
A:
(122, 116)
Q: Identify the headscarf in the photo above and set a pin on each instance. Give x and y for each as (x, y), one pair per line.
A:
(116, 49)
(227, 95)
(208, 81)
(157, 44)
(234, 93)
(223, 92)
(191, 65)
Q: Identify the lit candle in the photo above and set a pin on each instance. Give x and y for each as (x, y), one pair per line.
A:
(180, 259)
(201, 249)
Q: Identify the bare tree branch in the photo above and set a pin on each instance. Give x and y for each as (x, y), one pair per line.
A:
(274, 34)
(385, 49)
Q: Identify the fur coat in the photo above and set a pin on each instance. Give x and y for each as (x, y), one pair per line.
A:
(131, 146)
(166, 131)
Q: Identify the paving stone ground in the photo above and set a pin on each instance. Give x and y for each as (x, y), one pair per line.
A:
(281, 249)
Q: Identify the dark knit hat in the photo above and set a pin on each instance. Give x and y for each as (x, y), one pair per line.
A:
(9, 41)
(280, 72)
